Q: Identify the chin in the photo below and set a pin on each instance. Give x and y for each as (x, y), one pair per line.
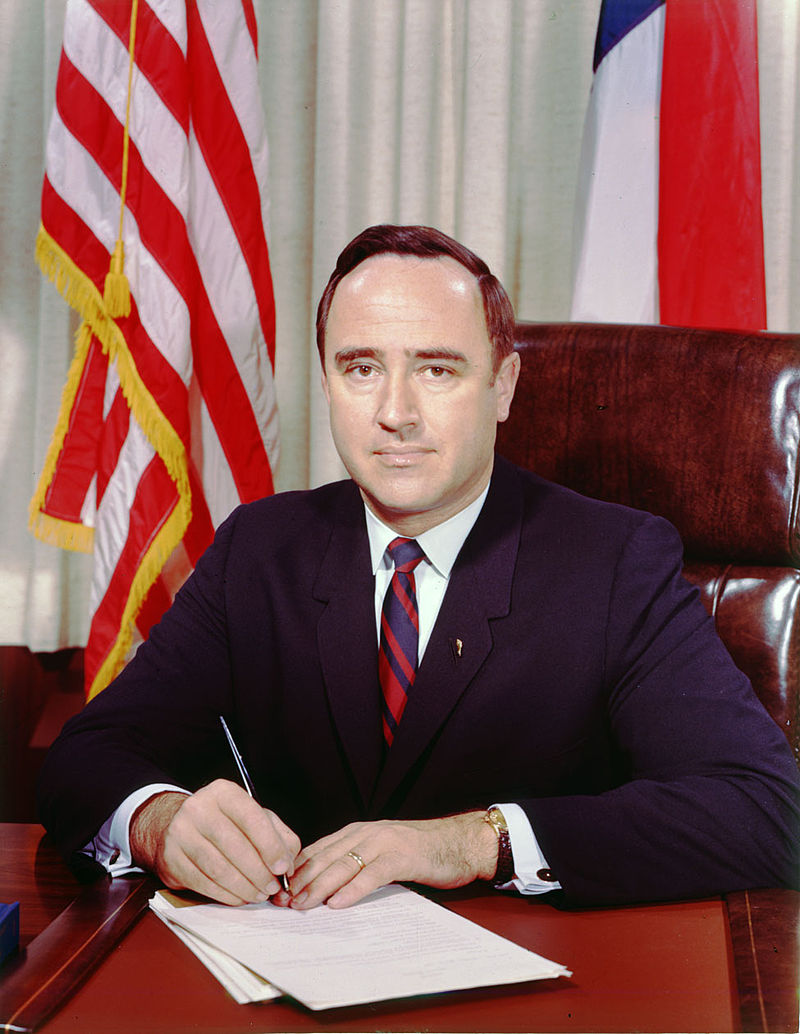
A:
(400, 504)
(402, 486)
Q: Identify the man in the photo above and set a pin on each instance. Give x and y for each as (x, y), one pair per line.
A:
(573, 721)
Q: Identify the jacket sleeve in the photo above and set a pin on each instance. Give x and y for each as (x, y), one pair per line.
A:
(709, 799)
(158, 722)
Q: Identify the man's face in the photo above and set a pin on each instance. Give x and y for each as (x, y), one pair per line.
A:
(414, 402)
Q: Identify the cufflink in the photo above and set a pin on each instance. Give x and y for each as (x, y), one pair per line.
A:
(546, 876)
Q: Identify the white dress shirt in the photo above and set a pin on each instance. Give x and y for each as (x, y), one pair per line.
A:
(442, 544)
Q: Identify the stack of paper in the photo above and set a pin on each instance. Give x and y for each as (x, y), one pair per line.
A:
(242, 984)
(393, 944)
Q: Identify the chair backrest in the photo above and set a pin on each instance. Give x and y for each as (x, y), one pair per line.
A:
(703, 428)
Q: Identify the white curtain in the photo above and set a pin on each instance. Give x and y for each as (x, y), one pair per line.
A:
(43, 591)
(464, 114)
(461, 114)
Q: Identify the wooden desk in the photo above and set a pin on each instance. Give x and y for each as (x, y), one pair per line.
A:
(654, 968)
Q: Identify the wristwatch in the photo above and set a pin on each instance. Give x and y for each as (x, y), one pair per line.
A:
(505, 859)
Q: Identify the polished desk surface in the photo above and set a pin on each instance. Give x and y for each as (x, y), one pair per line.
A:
(645, 968)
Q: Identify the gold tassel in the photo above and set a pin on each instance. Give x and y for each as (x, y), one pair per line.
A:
(117, 290)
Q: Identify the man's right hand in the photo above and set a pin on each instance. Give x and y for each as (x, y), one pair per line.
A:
(217, 842)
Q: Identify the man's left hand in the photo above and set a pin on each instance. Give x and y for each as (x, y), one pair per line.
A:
(449, 852)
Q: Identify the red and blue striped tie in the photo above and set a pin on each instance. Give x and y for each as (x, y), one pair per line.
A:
(397, 658)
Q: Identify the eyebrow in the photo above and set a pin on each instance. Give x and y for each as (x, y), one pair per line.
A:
(350, 355)
(447, 354)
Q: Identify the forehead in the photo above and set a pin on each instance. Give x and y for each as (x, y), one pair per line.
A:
(409, 290)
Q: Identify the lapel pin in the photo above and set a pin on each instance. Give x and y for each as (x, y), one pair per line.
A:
(459, 644)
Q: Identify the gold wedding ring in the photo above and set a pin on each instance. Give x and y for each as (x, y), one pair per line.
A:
(357, 858)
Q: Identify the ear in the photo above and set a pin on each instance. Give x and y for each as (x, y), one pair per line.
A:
(506, 383)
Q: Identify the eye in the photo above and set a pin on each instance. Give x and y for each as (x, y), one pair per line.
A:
(360, 370)
(438, 373)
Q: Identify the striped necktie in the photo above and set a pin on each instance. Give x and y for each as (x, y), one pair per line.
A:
(397, 658)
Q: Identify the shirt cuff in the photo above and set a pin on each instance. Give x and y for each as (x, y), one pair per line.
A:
(111, 846)
(528, 856)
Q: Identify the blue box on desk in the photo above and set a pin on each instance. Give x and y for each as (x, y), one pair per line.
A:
(9, 930)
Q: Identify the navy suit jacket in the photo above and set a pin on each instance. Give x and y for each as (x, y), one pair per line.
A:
(590, 687)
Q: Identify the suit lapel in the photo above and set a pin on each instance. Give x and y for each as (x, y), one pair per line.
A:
(479, 589)
(347, 642)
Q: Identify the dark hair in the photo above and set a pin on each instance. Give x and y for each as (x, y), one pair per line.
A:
(424, 242)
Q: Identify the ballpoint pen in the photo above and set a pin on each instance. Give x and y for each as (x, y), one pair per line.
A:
(248, 782)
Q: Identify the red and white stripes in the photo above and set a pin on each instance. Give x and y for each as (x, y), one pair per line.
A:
(169, 417)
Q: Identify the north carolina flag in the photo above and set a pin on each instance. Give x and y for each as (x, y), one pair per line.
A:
(168, 419)
(668, 211)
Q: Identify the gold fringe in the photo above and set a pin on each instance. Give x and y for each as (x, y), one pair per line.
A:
(117, 291)
(154, 559)
(82, 295)
(72, 283)
(56, 531)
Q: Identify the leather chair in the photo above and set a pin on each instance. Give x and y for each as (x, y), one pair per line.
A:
(703, 428)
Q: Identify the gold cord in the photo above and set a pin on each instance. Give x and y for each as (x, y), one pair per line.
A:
(117, 292)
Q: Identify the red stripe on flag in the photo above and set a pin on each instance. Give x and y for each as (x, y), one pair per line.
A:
(112, 438)
(156, 603)
(155, 498)
(76, 461)
(158, 57)
(92, 122)
(250, 20)
(201, 528)
(197, 538)
(227, 157)
(710, 236)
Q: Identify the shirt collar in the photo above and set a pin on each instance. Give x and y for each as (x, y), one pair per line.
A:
(442, 543)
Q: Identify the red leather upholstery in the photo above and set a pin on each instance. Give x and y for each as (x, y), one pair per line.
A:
(703, 428)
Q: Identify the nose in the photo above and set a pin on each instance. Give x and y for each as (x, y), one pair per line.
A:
(398, 410)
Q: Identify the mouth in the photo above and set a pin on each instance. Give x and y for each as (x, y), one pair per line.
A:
(402, 457)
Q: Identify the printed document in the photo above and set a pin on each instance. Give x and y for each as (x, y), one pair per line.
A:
(393, 944)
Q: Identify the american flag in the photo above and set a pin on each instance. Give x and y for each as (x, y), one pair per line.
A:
(168, 419)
